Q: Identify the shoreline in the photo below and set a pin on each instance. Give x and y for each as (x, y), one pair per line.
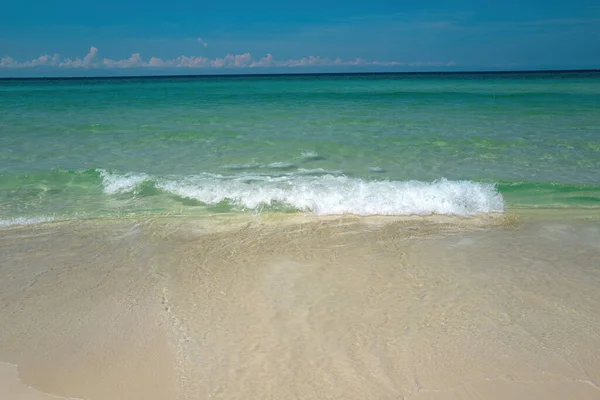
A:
(223, 220)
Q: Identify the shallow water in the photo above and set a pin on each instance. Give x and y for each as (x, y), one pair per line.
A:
(317, 144)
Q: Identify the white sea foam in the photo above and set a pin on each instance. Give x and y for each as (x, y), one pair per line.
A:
(310, 154)
(242, 166)
(254, 165)
(121, 183)
(376, 169)
(280, 165)
(23, 221)
(329, 195)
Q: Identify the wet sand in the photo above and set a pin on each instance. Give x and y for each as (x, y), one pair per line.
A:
(302, 307)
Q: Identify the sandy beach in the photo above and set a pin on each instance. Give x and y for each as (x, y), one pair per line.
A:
(284, 307)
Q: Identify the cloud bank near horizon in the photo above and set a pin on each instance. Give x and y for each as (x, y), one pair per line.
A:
(93, 61)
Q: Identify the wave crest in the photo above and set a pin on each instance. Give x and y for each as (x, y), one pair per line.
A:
(322, 195)
(121, 183)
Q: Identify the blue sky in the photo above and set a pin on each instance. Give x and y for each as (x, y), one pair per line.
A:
(147, 37)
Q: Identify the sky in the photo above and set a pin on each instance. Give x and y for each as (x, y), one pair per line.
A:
(125, 37)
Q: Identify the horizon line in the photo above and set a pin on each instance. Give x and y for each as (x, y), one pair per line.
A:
(272, 74)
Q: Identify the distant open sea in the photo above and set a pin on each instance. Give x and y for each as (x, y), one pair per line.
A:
(370, 144)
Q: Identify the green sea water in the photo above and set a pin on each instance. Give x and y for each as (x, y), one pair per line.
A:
(388, 144)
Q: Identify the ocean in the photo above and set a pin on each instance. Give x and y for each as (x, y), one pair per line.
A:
(351, 237)
(382, 144)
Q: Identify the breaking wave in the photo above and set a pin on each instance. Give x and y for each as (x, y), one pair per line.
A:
(327, 194)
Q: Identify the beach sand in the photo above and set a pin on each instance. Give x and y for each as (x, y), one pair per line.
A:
(285, 307)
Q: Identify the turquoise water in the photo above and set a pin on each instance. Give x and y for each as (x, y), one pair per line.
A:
(329, 144)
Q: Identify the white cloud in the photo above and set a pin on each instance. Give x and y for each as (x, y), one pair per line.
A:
(245, 60)
(266, 61)
(8, 62)
(202, 42)
(155, 62)
(91, 57)
(134, 61)
(45, 60)
(89, 61)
